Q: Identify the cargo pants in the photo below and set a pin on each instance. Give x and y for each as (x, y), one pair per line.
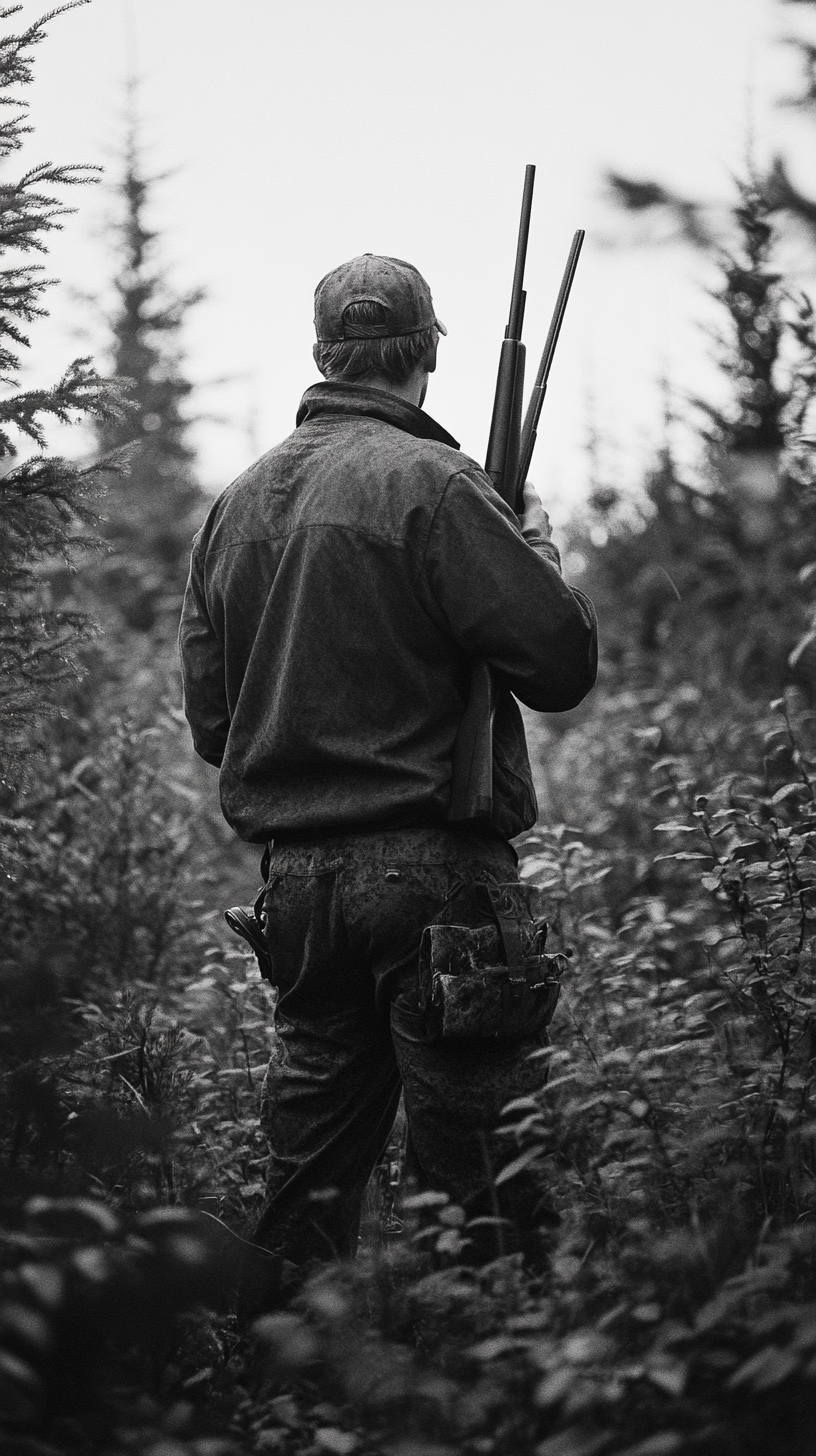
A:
(344, 921)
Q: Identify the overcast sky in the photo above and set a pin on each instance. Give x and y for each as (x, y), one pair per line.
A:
(303, 132)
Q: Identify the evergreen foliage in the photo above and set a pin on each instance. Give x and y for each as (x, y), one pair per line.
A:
(152, 516)
(709, 576)
(45, 501)
(691, 219)
(749, 358)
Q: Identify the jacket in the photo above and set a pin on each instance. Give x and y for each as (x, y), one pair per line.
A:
(338, 591)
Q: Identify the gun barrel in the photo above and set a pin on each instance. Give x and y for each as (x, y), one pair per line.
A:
(471, 794)
(560, 309)
(503, 445)
(517, 296)
(531, 419)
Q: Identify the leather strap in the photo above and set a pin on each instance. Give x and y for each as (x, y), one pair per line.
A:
(510, 932)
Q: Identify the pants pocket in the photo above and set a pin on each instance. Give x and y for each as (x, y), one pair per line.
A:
(408, 1021)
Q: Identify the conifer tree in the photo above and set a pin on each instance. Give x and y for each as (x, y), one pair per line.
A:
(46, 502)
(690, 217)
(711, 570)
(749, 349)
(150, 516)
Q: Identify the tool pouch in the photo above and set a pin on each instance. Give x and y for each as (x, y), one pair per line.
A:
(490, 980)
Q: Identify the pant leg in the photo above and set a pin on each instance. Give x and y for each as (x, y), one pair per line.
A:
(454, 1091)
(345, 920)
(329, 1100)
(332, 1085)
(454, 1095)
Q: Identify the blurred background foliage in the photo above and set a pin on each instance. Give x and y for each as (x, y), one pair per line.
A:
(676, 1132)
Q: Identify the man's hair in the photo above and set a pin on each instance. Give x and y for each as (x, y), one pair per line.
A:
(356, 358)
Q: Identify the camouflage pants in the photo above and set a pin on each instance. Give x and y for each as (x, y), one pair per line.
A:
(345, 917)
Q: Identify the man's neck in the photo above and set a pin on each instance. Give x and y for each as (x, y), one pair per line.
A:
(338, 397)
(412, 389)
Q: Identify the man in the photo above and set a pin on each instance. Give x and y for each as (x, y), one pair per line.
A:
(339, 591)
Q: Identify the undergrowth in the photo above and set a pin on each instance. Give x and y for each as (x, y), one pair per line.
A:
(674, 1133)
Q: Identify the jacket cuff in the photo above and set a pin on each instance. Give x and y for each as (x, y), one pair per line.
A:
(543, 546)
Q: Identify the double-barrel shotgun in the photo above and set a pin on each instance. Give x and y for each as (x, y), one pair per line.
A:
(509, 453)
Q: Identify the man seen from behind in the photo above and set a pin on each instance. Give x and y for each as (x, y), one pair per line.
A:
(339, 592)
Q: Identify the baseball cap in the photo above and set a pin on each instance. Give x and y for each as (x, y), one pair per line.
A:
(397, 286)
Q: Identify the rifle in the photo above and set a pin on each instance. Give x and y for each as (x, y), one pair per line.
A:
(509, 453)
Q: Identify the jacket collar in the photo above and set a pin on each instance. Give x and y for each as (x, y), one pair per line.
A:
(336, 398)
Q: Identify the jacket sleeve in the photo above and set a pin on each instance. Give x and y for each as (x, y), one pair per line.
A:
(202, 668)
(504, 600)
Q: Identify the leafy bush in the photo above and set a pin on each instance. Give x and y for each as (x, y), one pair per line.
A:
(675, 1133)
(89, 1300)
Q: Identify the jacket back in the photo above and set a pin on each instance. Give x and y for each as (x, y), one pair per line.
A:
(339, 590)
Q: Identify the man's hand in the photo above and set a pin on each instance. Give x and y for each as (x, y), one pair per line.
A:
(534, 517)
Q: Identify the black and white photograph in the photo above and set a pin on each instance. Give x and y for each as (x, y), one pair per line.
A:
(408, 728)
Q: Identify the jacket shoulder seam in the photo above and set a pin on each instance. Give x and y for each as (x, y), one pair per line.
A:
(437, 508)
(367, 535)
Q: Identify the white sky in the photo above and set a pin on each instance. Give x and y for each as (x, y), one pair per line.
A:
(302, 132)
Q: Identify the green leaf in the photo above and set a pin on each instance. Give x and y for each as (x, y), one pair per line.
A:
(682, 854)
(517, 1166)
(426, 1200)
(491, 1349)
(335, 1441)
(668, 1375)
(787, 791)
(554, 1386)
(744, 847)
(766, 1368)
(574, 1441)
(662, 1443)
